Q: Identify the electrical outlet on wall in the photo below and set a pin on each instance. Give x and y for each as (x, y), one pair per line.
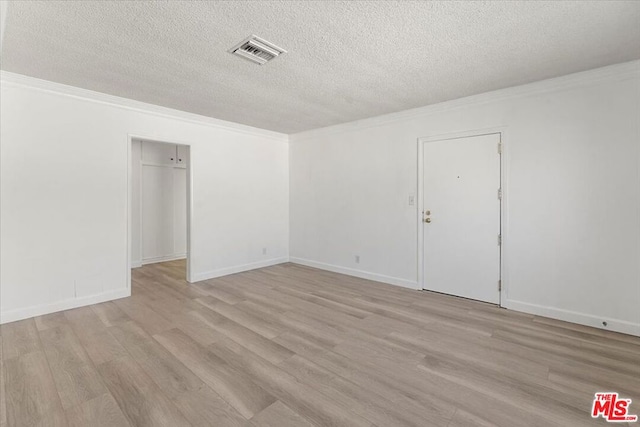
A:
(412, 199)
(357, 259)
(264, 251)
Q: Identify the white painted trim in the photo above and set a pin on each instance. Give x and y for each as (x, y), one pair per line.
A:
(357, 273)
(616, 325)
(140, 203)
(39, 310)
(10, 79)
(162, 259)
(237, 269)
(504, 231)
(190, 205)
(136, 264)
(129, 237)
(504, 214)
(420, 209)
(616, 72)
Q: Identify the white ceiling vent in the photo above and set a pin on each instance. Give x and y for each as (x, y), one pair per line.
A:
(256, 50)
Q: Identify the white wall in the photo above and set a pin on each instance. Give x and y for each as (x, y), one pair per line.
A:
(64, 203)
(572, 237)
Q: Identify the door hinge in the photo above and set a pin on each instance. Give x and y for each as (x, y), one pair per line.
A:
(499, 239)
(499, 285)
(499, 193)
(499, 147)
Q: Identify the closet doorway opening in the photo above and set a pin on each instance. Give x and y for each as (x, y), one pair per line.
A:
(159, 208)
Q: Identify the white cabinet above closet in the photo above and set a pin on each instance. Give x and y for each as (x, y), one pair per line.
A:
(164, 154)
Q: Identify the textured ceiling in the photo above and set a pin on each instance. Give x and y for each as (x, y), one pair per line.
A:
(346, 60)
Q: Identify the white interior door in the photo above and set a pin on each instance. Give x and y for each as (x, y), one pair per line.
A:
(461, 217)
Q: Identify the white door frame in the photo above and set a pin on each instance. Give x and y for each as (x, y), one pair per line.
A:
(130, 138)
(503, 205)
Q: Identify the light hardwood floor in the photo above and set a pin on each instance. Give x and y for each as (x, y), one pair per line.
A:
(293, 346)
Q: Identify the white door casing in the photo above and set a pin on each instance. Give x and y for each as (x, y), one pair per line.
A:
(179, 211)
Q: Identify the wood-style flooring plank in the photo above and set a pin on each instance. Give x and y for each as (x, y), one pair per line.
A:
(19, 338)
(109, 313)
(162, 367)
(279, 415)
(200, 331)
(232, 384)
(75, 376)
(509, 389)
(204, 407)
(145, 317)
(3, 394)
(405, 394)
(244, 336)
(31, 393)
(250, 321)
(228, 297)
(362, 401)
(129, 334)
(302, 398)
(51, 321)
(290, 345)
(101, 411)
(100, 345)
(139, 398)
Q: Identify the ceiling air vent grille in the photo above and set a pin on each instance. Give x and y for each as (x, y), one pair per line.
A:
(256, 50)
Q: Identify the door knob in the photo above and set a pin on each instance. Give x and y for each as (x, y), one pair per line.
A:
(427, 220)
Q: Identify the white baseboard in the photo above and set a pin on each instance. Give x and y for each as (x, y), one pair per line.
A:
(357, 273)
(39, 310)
(161, 259)
(197, 277)
(616, 325)
(136, 264)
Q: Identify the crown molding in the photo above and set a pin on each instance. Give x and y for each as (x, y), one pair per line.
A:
(617, 72)
(10, 79)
